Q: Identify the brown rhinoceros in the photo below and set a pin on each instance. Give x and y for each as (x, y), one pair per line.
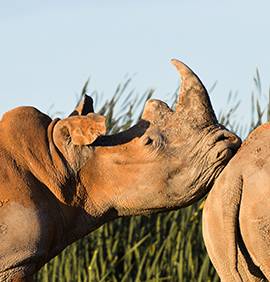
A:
(236, 217)
(61, 179)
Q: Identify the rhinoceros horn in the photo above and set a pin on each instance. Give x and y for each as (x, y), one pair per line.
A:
(193, 101)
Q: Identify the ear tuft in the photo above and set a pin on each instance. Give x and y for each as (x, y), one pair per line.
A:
(84, 106)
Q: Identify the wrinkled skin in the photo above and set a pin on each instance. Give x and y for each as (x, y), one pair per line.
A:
(236, 217)
(61, 179)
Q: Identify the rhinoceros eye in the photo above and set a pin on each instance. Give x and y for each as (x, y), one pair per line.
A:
(154, 141)
(148, 141)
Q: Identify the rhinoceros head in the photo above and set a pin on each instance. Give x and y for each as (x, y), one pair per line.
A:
(169, 159)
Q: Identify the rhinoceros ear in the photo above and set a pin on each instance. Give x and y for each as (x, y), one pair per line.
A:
(72, 135)
(80, 130)
(84, 106)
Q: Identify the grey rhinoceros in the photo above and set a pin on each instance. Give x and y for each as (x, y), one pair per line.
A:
(61, 179)
(236, 217)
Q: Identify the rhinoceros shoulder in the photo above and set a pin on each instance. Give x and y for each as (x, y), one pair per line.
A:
(25, 139)
(24, 130)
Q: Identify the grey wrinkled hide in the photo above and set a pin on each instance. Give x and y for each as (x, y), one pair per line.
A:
(236, 216)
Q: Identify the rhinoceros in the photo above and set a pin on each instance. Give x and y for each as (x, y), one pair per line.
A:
(61, 179)
(236, 220)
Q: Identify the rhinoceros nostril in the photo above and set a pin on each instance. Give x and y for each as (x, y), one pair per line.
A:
(221, 137)
(233, 140)
(227, 136)
(226, 139)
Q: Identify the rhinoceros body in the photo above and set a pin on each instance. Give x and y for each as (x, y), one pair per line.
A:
(236, 218)
(61, 179)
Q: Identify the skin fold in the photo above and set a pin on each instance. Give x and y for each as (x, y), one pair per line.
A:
(236, 220)
(61, 179)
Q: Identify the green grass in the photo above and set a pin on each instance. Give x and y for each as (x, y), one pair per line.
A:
(160, 247)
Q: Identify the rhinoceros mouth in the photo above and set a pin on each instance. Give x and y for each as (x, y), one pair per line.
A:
(226, 154)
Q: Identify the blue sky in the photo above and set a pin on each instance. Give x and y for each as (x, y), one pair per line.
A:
(49, 48)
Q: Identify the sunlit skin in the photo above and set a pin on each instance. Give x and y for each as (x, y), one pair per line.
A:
(62, 179)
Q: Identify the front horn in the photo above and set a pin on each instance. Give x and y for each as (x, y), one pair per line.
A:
(193, 97)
